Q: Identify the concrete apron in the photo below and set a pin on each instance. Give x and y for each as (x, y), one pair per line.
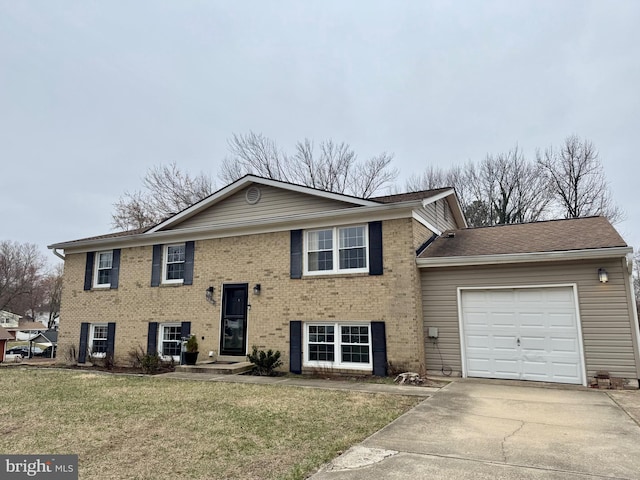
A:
(472, 430)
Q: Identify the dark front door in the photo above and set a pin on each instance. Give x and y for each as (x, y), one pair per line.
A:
(234, 319)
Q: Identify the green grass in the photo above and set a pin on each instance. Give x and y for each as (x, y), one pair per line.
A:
(144, 427)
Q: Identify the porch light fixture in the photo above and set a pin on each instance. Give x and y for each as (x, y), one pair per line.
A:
(603, 276)
(256, 289)
(209, 295)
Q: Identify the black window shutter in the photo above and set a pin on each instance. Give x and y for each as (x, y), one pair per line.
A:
(115, 268)
(84, 339)
(111, 338)
(296, 254)
(156, 265)
(88, 271)
(295, 346)
(152, 338)
(375, 248)
(185, 329)
(189, 248)
(379, 347)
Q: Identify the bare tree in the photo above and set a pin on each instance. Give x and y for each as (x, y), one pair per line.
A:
(166, 191)
(514, 189)
(52, 285)
(578, 181)
(503, 188)
(21, 266)
(332, 167)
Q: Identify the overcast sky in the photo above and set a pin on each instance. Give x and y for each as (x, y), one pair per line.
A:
(93, 94)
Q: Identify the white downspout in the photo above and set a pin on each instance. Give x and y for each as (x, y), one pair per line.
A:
(634, 307)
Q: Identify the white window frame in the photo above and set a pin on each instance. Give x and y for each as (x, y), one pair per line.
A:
(96, 269)
(336, 251)
(92, 338)
(337, 363)
(161, 328)
(165, 262)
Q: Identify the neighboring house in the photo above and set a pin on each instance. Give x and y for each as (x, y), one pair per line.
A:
(5, 336)
(353, 285)
(8, 319)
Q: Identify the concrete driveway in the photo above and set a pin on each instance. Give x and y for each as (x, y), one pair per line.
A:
(482, 430)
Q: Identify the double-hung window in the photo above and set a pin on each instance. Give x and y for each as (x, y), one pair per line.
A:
(103, 269)
(336, 250)
(338, 345)
(170, 341)
(98, 340)
(174, 258)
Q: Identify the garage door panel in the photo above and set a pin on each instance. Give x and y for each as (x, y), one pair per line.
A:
(544, 321)
(562, 319)
(565, 345)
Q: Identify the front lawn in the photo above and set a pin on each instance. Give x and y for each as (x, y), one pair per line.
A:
(144, 427)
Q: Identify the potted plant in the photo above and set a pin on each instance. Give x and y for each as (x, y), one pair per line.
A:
(191, 353)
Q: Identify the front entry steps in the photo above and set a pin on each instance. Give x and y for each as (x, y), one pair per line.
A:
(221, 368)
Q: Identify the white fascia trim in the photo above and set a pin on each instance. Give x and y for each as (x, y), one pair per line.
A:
(314, 220)
(523, 257)
(421, 220)
(243, 182)
(437, 197)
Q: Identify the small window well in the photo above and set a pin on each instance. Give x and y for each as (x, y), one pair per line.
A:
(253, 195)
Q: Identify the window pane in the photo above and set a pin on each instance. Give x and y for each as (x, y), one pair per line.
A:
(355, 353)
(175, 253)
(353, 258)
(104, 276)
(351, 237)
(320, 261)
(175, 271)
(321, 353)
(171, 349)
(100, 331)
(99, 346)
(105, 260)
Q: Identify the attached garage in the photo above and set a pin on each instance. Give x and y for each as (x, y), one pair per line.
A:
(522, 334)
(527, 302)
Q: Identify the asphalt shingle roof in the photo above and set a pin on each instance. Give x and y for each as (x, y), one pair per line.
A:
(549, 236)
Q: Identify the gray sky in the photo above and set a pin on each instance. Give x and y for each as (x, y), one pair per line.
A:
(92, 94)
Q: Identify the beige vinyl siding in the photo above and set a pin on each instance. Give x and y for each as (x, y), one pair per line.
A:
(605, 312)
(439, 215)
(420, 234)
(274, 202)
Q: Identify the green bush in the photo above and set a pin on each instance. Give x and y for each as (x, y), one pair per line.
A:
(192, 344)
(265, 362)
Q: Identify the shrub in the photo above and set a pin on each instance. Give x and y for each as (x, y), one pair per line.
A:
(148, 363)
(265, 362)
(192, 344)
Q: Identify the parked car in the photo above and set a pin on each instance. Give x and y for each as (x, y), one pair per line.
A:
(46, 353)
(20, 350)
(24, 351)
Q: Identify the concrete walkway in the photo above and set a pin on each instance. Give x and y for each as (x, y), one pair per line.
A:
(481, 430)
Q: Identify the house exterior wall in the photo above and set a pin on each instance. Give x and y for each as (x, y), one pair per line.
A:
(439, 215)
(393, 297)
(609, 336)
(274, 202)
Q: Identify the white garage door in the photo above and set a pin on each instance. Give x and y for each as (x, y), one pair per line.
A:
(522, 333)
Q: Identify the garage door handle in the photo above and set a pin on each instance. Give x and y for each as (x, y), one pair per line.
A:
(518, 342)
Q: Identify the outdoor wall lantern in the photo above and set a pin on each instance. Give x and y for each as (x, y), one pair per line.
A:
(603, 276)
(256, 289)
(209, 295)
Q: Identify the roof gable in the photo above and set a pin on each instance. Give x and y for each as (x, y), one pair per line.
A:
(297, 193)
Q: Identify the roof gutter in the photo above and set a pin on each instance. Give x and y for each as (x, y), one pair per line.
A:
(58, 254)
(435, 262)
